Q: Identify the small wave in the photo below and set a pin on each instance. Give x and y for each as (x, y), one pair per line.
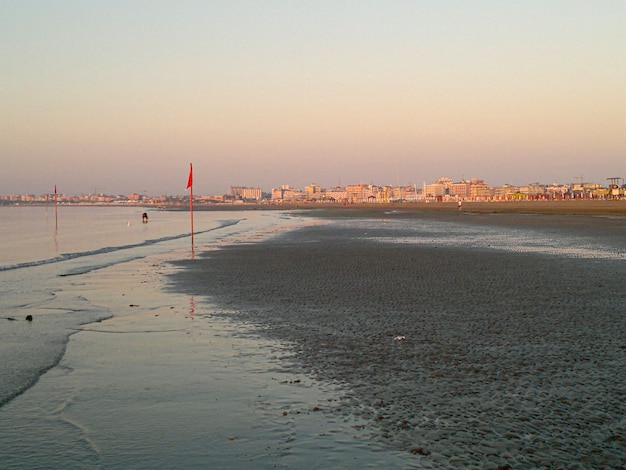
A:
(119, 332)
(33, 377)
(110, 249)
(94, 267)
(82, 430)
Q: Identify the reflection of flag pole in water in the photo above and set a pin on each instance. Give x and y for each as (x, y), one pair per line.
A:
(190, 187)
(192, 310)
(192, 307)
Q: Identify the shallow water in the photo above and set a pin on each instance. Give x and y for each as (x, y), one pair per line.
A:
(167, 384)
(466, 234)
(44, 260)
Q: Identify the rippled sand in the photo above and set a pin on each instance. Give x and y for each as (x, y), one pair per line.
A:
(469, 358)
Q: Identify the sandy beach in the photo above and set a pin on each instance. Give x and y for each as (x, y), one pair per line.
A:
(457, 357)
(359, 340)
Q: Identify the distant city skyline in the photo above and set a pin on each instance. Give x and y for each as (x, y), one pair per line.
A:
(534, 187)
(604, 182)
(119, 97)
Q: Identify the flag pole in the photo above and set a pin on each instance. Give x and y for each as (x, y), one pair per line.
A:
(190, 186)
(56, 212)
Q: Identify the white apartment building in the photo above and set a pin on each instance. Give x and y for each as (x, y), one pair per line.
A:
(242, 192)
(337, 194)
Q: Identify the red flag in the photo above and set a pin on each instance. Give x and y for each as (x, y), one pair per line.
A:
(190, 179)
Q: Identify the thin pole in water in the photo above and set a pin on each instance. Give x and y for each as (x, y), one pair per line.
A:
(56, 212)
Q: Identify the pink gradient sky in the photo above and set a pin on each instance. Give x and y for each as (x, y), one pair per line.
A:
(120, 96)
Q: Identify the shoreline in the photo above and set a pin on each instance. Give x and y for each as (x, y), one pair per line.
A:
(564, 207)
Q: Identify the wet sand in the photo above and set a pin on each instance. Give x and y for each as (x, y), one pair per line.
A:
(568, 206)
(166, 383)
(460, 358)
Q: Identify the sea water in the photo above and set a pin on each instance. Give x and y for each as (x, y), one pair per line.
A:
(45, 253)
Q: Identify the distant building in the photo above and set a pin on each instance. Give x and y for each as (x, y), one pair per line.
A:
(557, 191)
(336, 194)
(435, 190)
(460, 190)
(439, 188)
(533, 190)
(401, 193)
(359, 193)
(313, 192)
(412, 193)
(245, 193)
(286, 193)
(506, 191)
(479, 189)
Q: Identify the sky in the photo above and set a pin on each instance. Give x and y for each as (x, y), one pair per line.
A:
(120, 96)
